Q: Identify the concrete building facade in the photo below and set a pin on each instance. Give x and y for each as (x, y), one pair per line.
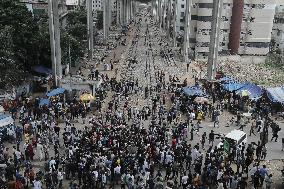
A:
(242, 30)
(256, 28)
(278, 27)
(97, 5)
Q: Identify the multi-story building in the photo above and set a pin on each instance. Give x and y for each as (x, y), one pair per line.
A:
(242, 26)
(256, 27)
(97, 5)
(278, 27)
(39, 7)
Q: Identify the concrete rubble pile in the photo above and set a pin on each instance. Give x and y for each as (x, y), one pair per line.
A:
(258, 73)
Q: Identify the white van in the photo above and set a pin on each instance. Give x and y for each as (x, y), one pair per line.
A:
(235, 138)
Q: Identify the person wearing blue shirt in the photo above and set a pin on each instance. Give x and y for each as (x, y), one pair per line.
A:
(263, 173)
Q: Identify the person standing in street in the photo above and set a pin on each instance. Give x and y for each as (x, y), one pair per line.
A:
(268, 181)
(282, 144)
(251, 131)
(37, 184)
(211, 137)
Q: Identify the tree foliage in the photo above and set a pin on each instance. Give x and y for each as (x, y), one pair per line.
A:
(19, 42)
(74, 36)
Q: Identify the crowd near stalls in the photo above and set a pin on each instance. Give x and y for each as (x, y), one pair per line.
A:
(125, 145)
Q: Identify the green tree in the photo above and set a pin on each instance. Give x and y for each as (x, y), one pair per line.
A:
(74, 36)
(19, 42)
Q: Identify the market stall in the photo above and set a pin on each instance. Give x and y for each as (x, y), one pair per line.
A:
(6, 122)
(276, 97)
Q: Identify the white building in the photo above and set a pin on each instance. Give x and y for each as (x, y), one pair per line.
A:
(278, 27)
(256, 29)
(248, 36)
(97, 5)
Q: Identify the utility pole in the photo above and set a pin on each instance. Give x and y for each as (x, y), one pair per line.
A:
(54, 31)
(186, 30)
(214, 39)
(106, 20)
(90, 25)
(175, 24)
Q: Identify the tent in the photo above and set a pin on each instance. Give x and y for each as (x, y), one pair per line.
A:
(232, 86)
(44, 101)
(255, 92)
(42, 70)
(193, 91)
(6, 120)
(55, 92)
(276, 94)
(227, 79)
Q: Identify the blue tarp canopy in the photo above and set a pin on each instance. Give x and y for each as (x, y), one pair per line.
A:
(276, 94)
(227, 79)
(55, 92)
(193, 91)
(233, 86)
(255, 92)
(43, 102)
(6, 120)
(42, 70)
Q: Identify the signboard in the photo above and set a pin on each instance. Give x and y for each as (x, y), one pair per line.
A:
(72, 2)
(226, 146)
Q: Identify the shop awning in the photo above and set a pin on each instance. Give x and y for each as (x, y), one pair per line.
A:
(193, 91)
(227, 79)
(43, 102)
(42, 70)
(233, 86)
(6, 120)
(276, 94)
(255, 92)
(55, 92)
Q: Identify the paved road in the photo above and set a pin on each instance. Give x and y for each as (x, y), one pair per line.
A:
(173, 67)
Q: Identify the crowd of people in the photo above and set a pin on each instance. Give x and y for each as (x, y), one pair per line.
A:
(125, 145)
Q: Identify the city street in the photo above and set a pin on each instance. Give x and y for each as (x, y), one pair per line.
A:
(142, 82)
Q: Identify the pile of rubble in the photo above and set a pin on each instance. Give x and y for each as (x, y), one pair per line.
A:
(259, 73)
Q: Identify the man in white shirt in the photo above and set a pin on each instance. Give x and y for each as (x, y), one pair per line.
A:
(37, 184)
(52, 163)
(184, 180)
(40, 151)
(117, 175)
(60, 177)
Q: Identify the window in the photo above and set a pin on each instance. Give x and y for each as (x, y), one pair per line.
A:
(206, 5)
(205, 18)
(258, 44)
(194, 17)
(182, 6)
